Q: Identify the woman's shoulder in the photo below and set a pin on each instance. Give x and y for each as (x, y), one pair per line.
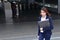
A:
(49, 17)
(39, 18)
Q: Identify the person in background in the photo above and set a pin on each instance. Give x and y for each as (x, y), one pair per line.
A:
(14, 10)
(47, 31)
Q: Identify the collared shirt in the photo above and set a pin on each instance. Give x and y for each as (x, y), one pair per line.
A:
(43, 18)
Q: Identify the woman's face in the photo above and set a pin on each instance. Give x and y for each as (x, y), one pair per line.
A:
(43, 13)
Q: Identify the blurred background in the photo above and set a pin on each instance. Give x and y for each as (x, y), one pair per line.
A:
(18, 18)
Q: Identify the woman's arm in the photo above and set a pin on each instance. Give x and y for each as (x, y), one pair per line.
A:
(38, 30)
(51, 24)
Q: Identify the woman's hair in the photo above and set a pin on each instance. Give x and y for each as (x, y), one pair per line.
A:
(45, 10)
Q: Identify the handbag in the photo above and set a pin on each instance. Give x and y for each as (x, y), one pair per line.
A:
(45, 23)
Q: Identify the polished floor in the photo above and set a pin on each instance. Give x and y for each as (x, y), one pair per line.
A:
(24, 28)
(25, 31)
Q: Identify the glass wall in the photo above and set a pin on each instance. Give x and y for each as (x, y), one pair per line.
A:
(52, 2)
(52, 5)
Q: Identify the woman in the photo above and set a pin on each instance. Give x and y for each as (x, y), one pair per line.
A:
(45, 32)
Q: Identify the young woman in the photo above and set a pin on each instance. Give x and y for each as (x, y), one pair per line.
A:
(45, 32)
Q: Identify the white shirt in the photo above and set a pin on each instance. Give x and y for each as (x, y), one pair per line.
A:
(43, 18)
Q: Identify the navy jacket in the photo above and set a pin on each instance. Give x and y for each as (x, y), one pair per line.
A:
(48, 29)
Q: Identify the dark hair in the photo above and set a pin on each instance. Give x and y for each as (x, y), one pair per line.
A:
(45, 10)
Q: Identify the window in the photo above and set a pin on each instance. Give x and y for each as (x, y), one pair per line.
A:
(55, 2)
(40, 1)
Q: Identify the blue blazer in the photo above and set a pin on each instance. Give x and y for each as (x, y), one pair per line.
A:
(47, 29)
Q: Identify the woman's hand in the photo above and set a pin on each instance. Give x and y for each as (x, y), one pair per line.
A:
(41, 30)
(38, 37)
